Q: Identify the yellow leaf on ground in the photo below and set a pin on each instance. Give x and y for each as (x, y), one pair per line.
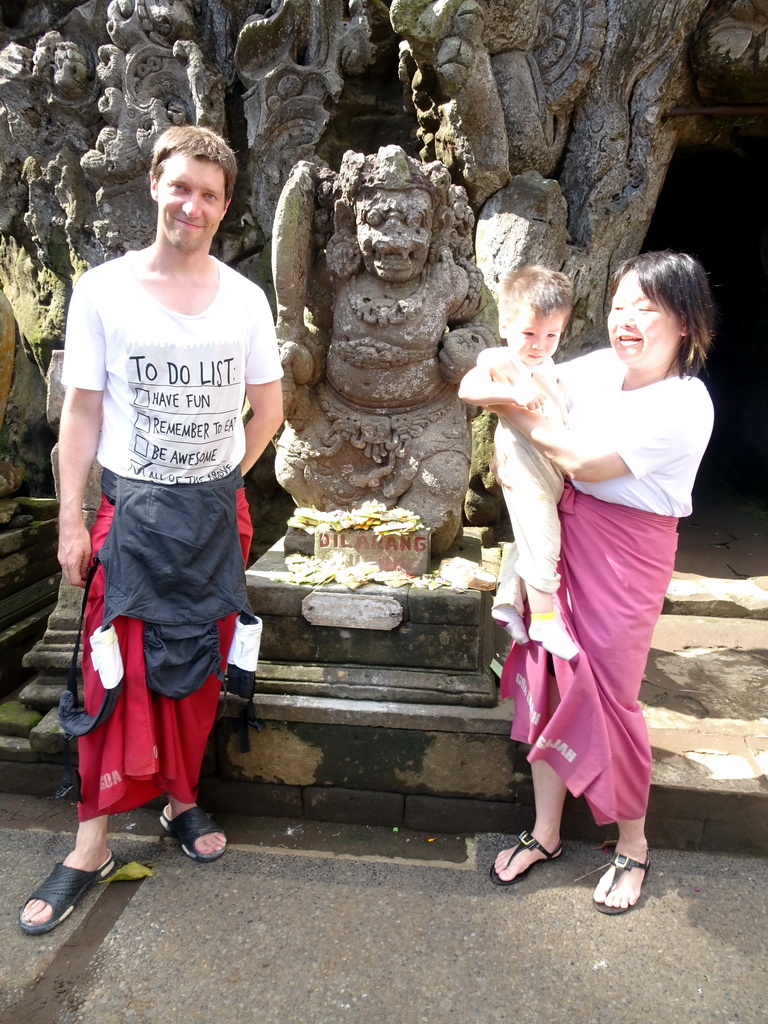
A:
(130, 872)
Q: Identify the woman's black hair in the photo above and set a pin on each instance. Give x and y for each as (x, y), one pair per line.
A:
(679, 283)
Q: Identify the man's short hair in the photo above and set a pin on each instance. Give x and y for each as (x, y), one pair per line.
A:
(545, 291)
(192, 140)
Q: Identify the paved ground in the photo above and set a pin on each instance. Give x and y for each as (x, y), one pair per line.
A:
(725, 537)
(317, 924)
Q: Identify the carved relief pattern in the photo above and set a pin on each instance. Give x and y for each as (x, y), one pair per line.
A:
(292, 59)
(105, 102)
(535, 89)
(447, 66)
(567, 47)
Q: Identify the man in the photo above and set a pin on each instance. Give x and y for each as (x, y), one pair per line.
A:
(162, 346)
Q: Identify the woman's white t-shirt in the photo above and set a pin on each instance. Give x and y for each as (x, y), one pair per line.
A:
(661, 431)
(174, 385)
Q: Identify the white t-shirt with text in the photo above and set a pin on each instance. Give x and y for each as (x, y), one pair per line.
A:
(174, 385)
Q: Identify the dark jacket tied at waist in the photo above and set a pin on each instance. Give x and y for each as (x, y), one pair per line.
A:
(172, 558)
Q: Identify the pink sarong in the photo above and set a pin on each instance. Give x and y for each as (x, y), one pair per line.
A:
(616, 564)
(150, 744)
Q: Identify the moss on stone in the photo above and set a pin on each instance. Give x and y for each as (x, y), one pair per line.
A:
(17, 720)
(38, 298)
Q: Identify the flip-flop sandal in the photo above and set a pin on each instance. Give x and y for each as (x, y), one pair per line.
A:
(62, 890)
(620, 864)
(189, 826)
(525, 841)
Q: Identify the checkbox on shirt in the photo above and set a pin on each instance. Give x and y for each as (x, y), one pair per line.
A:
(140, 445)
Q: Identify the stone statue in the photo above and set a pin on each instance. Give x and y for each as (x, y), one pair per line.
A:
(371, 403)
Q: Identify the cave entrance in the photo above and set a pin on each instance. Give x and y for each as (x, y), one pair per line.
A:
(714, 205)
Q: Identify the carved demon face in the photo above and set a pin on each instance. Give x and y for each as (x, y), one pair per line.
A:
(394, 232)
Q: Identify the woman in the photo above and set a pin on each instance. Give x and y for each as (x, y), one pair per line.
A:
(639, 422)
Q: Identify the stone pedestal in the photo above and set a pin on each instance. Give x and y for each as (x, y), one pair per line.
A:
(439, 652)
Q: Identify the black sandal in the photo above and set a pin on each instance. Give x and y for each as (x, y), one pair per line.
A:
(62, 890)
(525, 841)
(620, 864)
(189, 826)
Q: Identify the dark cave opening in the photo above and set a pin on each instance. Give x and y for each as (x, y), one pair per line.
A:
(714, 205)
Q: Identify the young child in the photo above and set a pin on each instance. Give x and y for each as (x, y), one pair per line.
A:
(534, 307)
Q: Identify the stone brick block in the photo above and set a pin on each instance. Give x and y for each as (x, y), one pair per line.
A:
(43, 509)
(579, 825)
(725, 804)
(208, 767)
(254, 798)
(36, 534)
(20, 570)
(270, 597)
(281, 754)
(389, 760)
(746, 835)
(394, 685)
(471, 608)
(443, 814)
(353, 806)
(17, 748)
(524, 789)
(53, 758)
(410, 645)
(674, 833)
(44, 692)
(46, 736)
(28, 779)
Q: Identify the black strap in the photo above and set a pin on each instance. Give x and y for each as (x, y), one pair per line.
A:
(67, 781)
(248, 717)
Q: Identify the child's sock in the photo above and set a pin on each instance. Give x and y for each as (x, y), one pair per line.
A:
(510, 620)
(545, 629)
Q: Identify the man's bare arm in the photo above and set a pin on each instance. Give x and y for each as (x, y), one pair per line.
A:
(78, 440)
(266, 402)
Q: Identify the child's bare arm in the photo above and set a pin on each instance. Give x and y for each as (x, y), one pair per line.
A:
(522, 388)
(499, 379)
(478, 388)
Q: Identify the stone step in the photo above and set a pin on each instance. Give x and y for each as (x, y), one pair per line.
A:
(21, 573)
(43, 691)
(17, 749)
(689, 594)
(45, 738)
(17, 720)
(453, 768)
(42, 535)
(705, 697)
(41, 594)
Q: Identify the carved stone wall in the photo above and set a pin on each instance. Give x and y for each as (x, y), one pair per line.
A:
(558, 117)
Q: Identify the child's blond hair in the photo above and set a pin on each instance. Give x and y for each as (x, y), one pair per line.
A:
(545, 291)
